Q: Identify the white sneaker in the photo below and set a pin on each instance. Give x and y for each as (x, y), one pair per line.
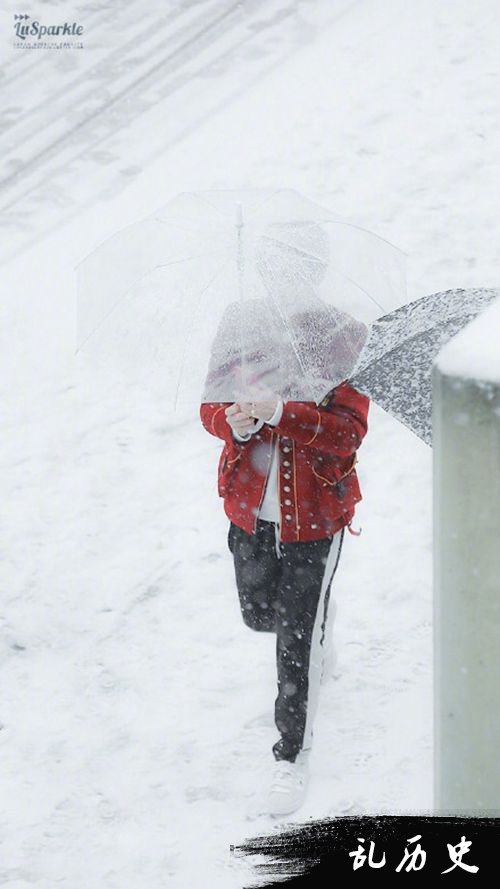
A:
(288, 786)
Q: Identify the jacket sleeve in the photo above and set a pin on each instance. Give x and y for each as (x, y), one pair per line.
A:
(214, 420)
(338, 430)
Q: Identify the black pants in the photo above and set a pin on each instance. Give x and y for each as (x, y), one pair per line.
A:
(288, 594)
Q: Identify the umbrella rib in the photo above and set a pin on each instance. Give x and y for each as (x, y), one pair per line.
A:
(157, 217)
(336, 221)
(372, 234)
(313, 224)
(330, 264)
(308, 253)
(300, 250)
(372, 298)
(183, 358)
(291, 336)
(126, 294)
(352, 281)
(165, 265)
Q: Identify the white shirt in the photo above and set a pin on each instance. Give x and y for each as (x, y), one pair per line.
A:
(269, 509)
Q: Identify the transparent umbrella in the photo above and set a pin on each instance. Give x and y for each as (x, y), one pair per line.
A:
(223, 295)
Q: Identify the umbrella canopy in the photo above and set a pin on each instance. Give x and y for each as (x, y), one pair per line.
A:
(254, 355)
(395, 367)
(222, 294)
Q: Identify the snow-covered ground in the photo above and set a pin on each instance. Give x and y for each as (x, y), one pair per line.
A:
(136, 707)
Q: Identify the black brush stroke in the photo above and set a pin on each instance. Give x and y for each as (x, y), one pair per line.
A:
(317, 853)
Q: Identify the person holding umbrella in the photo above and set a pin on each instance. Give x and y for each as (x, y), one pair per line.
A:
(287, 476)
(287, 472)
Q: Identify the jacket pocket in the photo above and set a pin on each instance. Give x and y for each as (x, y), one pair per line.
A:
(226, 470)
(330, 472)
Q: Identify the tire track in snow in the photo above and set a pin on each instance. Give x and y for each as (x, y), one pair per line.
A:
(23, 207)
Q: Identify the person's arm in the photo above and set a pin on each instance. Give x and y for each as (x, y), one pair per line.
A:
(213, 418)
(339, 430)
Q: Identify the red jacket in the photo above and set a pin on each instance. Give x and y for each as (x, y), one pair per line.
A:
(318, 485)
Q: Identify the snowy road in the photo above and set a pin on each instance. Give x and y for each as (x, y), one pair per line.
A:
(72, 129)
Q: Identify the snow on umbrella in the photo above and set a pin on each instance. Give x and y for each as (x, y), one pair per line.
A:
(237, 283)
(301, 360)
(395, 367)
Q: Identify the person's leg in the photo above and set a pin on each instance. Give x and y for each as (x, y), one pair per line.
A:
(304, 591)
(257, 570)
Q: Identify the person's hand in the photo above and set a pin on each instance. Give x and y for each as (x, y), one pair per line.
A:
(239, 419)
(261, 410)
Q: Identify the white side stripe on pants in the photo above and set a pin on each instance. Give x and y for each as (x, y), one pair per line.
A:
(316, 652)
